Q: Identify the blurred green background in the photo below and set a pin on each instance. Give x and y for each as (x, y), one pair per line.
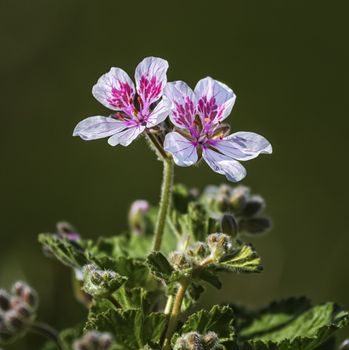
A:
(287, 61)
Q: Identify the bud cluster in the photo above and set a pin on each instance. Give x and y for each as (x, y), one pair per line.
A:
(17, 311)
(217, 245)
(100, 283)
(93, 340)
(196, 341)
(244, 209)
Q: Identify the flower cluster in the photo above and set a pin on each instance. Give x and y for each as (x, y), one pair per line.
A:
(196, 341)
(237, 205)
(17, 311)
(197, 130)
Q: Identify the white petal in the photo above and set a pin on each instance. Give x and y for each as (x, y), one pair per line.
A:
(224, 165)
(151, 79)
(93, 128)
(115, 90)
(244, 145)
(160, 113)
(215, 100)
(183, 103)
(125, 137)
(182, 150)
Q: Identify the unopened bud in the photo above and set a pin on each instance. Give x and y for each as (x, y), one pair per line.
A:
(105, 341)
(229, 225)
(255, 225)
(219, 244)
(13, 321)
(253, 206)
(198, 250)
(4, 300)
(344, 345)
(179, 260)
(210, 341)
(138, 210)
(222, 203)
(23, 310)
(25, 293)
(239, 198)
(100, 283)
(66, 230)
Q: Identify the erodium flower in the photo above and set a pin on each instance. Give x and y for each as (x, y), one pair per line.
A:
(135, 109)
(199, 132)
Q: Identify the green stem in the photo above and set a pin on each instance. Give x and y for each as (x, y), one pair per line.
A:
(165, 200)
(176, 310)
(48, 332)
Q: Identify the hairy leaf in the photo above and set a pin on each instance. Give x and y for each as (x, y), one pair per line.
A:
(291, 324)
(70, 253)
(159, 266)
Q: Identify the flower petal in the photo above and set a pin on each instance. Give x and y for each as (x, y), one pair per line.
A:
(160, 113)
(93, 128)
(183, 103)
(151, 79)
(215, 100)
(115, 90)
(126, 136)
(244, 145)
(224, 165)
(182, 150)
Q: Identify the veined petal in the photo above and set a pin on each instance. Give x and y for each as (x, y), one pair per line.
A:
(183, 103)
(224, 165)
(244, 145)
(115, 90)
(126, 136)
(151, 79)
(160, 113)
(97, 127)
(215, 100)
(182, 150)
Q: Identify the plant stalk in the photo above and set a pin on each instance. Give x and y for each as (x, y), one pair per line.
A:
(47, 332)
(165, 200)
(176, 310)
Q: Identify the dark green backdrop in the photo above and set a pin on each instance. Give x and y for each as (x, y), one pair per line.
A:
(286, 61)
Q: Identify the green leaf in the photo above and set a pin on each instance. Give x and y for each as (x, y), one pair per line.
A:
(70, 253)
(243, 259)
(159, 266)
(219, 320)
(131, 328)
(209, 277)
(291, 324)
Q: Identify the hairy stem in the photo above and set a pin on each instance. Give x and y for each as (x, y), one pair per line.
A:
(165, 200)
(46, 331)
(176, 310)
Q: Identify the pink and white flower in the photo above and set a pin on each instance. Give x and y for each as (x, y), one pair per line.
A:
(197, 116)
(135, 109)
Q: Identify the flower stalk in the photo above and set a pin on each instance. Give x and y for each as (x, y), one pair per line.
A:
(165, 201)
(176, 310)
(47, 332)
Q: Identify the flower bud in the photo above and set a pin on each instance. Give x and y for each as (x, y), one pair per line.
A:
(189, 341)
(229, 225)
(105, 341)
(4, 300)
(13, 321)
(210, 341)
(255, 225)
(180, 260)
(253, 206)
(198, 250)
(239, 198)
(344, 345)
(138, 210)
(100, 283)
(222, 203)
(219, 245)
(22, 309)
(66, 230)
